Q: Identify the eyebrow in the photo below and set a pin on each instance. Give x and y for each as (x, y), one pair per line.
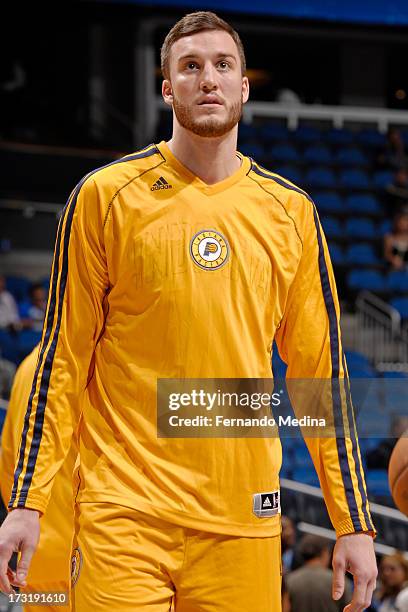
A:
(196, 55)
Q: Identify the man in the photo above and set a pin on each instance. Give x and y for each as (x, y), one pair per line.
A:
(183, 260)
(50, 565)
(309, 586)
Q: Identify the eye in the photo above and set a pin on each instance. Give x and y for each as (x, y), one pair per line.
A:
(191, 65)
(223, 65)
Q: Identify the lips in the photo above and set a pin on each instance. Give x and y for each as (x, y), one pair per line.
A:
(210, 100)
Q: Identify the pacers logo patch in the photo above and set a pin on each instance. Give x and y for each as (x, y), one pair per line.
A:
(209, 249)
(266, 504)
(76, 564)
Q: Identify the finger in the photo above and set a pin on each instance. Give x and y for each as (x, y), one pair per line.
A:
(4, 581)
(23, 564)
(338, 580)
(358, 600)
(369, 593)
(11, 575)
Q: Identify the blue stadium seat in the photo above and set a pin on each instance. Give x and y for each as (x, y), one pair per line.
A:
(19, 286)
(332, 227)
(395, 374)
(385, 227)
(364, 203)
(271, 132)
(8, 346)
(339, 137)
(361, 228)
(2, 418)
(284, 153)
(367, 444)
(401, 304)
(351, 157)
(306, 475)
(286, 470)
(251, 149)
(45, 282)
(354, 179)
(279, 367)
(382, 178)
(356, 358)
(361, 371)
(27, 340)
(362, 254)
(377, 483)
(369, 280)
(291, 173)
(289, 445)
(305, 133)
(398, 281)
(371, 138)
(337, 254)
(404, 134)
(329, 202)
(320, 177)
(301, 457)
(318, 154)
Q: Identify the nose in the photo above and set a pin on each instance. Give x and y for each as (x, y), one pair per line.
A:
(208, 78)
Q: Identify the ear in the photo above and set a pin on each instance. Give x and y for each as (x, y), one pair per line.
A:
(167, 92)
(245, 89)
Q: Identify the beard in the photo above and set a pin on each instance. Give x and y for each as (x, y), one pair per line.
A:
(211, 126)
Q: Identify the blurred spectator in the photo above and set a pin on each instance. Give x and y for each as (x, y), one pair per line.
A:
(397, 191)
(394, 155)
(393, 592)
(310, 587)
(9, 318)
(7, 372)
(396, 242)
(288, 543)
(378, 458)
(288, 97)
(286, 607)
(33, 312)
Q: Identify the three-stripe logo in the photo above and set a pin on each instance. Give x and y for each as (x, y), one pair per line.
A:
(161, 183)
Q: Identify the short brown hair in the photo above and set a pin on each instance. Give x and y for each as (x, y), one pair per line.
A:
(192, 24)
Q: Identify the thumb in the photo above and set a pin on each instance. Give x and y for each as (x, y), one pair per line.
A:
(24, 563)
(338, 581)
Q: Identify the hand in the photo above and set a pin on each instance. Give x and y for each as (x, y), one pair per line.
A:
(19, 532)
(355, 553)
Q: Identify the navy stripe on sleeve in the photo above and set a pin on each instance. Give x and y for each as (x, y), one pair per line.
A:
(48, 325)
(355, 450)
(45, 379)
(337, 408)
(335, 358)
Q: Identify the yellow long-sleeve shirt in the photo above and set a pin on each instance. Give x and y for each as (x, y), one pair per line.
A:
(50, 566)
(138, 292)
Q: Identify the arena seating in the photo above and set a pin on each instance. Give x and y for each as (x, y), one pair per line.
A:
(337, 167)
(296, 459)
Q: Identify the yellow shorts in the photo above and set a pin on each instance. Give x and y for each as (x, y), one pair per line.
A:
(125, 560)
(55, 587)
(49, 573)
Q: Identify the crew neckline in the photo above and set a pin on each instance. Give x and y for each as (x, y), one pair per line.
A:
(198, 183)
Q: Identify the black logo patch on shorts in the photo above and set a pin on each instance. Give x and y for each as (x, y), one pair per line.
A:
(266, 504)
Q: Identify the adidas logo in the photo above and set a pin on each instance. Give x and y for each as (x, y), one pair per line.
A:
(267, 503)
(161, 183)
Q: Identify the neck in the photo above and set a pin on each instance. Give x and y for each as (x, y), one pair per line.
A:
(211, 159)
